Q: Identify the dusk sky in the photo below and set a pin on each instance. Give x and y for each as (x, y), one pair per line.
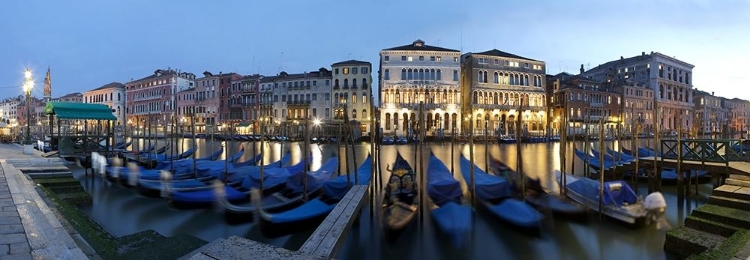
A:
(91, 43)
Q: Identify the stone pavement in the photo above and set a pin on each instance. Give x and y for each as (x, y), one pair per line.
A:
(28, 228)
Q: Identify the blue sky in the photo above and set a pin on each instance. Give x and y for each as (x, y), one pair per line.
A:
(91, 43)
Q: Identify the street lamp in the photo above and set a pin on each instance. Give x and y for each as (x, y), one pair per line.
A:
(27, 86)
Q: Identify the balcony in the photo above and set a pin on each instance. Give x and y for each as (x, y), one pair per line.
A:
(298, 103)
(242, 104)
(336, 86)
(415, 106)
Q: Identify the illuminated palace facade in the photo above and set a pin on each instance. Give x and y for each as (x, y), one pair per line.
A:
(416, 73)
(499, 88)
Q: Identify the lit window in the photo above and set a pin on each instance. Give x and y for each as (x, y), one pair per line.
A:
(409, 58)
(439, 58)
(455, 59)
(346, 71)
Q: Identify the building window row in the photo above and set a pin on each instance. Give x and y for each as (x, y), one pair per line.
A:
(414, 96)
(507, 99)
(506, 78)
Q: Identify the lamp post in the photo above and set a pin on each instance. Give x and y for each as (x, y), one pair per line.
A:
(27, 86)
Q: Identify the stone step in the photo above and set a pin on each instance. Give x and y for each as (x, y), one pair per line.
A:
(739, 177)
(48, 168)
(729, 202)
(687, 241)
(728, 216)
(47, 175)
(738, 182)
(732, 191)
(709, 226)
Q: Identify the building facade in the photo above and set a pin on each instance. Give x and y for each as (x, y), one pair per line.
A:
(709, 113)
(227, 92)
(150, 101)
(638, 116)
(112, 95)
(352, 92)
(419, 73)
(9, 110)
(499, 88)
(670, 79)
(583, 105)
(186, 110)
(76, 97)
(294, 98)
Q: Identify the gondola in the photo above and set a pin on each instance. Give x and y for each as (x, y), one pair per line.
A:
(274, 180)
(314, 211)
(400, 199)
(290, 196)
(495, 195)
(155, 188)
(451, 215)
(544, 199)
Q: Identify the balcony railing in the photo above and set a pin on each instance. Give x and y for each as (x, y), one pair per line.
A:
(243, 104)
(298, 102)
(426, 106)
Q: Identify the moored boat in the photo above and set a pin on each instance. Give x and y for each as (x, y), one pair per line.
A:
(619, 201)
(495, 195)
(400, 198)
(451, 215)
(315, 210)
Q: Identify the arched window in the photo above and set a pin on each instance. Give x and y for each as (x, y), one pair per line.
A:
(364, 113)
(421, 74)
(495, 78)
(432, 74)
(354, 113)
(475, 97)
(403, 74)
(354, 98)
(525, 80)
(354, 83)
(364, 98)
(364, 83)
(479, 77)
(387, 75)
(484, 77)
(346, 83)
(410, 75)
(336, 83)
(439, 77)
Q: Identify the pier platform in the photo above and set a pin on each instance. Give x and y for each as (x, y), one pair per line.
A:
(324, 243)
(28, 228)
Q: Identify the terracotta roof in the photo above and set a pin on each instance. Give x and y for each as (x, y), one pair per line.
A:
(499, 53)
(111, 85)
(419, 45)
(351, 62)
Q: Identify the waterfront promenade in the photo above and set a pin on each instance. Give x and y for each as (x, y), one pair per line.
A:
(28, 228)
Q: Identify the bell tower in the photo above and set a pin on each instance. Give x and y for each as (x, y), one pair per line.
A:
(47, 87)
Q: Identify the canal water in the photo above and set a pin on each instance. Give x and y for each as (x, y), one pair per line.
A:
(122, 211)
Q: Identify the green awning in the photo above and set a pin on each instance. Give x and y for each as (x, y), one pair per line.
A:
(243, 124)
(71, 110)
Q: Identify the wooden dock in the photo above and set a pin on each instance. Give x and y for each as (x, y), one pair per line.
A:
(329, 236)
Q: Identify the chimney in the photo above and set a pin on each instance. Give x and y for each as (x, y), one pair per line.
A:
(643, 53)
(712, 93)
(581, 68)
(621, 58)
